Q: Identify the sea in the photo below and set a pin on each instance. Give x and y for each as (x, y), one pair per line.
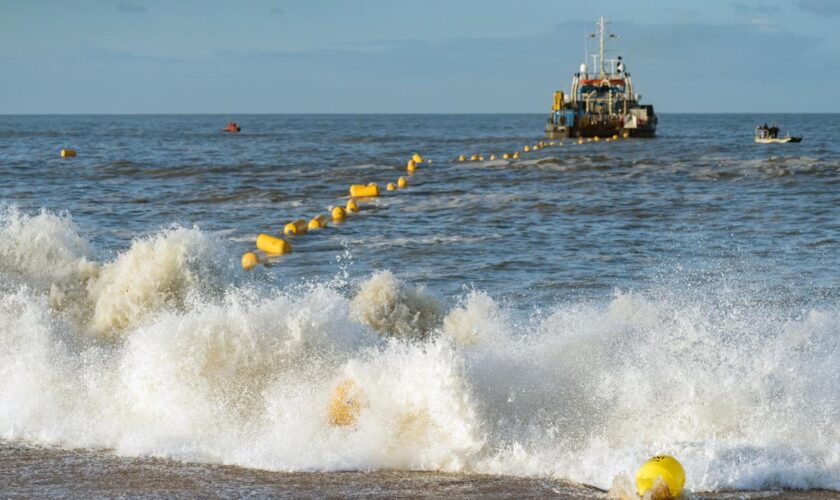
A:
(525, 327)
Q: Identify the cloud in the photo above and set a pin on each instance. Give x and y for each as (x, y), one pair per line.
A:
(131, 8)
(829, 8)
(755, 8)
(105, 55)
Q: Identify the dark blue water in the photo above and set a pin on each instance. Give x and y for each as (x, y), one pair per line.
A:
(700, 202)
(586, 306)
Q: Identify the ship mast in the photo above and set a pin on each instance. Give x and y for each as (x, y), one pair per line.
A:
(602, 29)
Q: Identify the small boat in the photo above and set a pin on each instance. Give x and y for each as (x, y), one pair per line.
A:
(232, 127)
(770, 135)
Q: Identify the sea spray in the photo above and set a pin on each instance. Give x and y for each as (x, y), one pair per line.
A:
(216, 370)
(477, 321)
(394, 308)
(155, 273)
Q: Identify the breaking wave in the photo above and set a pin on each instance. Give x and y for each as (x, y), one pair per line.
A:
(160, 351)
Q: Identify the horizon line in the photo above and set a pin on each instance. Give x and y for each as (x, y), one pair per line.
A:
(401, 113)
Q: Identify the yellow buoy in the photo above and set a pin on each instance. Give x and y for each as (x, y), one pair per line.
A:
(492, 157)
(391, 186)
(67, 153)
(272, 245)
(352, 206)
(364, 191)
(516, 155)
(626, 135)
(506, 156)
(250, 260)
(402, 183)
(661, 466)
(474, 158)
(345, 403)
(417, 158)
(526, 149)
(411, 166)
(580, 141)
(462, 158)
(615, 137)
(338, 213)
(295, 227)
(596, 138)
(480, 158)
(318, 222)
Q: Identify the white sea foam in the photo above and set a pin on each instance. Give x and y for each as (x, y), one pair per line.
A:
(154, 274)
(391, 307)
(191, 365)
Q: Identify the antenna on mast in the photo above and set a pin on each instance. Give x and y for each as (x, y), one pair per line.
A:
(602, 31)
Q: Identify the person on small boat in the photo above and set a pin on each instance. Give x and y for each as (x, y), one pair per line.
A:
(774, 131)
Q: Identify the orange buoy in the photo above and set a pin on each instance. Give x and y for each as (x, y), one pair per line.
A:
(232, 127)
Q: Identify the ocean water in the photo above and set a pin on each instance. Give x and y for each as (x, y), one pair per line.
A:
(556, 318)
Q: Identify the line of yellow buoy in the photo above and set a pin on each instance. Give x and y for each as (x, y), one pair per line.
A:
(536, 147)
(269, 246)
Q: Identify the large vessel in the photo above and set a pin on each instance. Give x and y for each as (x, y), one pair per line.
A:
(603, 102)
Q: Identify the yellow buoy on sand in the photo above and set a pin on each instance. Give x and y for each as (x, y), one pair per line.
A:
(352, 206)
(68, 153)
(318, 222)
(402, 183)
(295, 227)
(666, 467)
(338, 213)
(272, 245)
(345, 403)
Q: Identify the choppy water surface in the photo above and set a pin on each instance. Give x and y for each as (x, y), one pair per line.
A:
(562, 316)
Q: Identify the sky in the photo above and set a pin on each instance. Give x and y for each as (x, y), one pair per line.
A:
(403, 56)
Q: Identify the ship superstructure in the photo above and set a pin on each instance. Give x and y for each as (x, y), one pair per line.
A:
(601, 102)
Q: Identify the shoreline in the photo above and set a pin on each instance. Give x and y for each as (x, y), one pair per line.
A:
(27, 471)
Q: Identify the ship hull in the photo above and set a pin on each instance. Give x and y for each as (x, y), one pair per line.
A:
(562, 132)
